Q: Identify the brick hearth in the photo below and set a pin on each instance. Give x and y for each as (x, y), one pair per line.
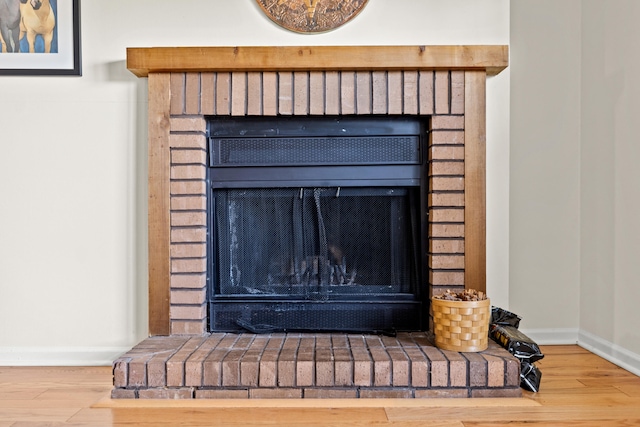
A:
(225, 366)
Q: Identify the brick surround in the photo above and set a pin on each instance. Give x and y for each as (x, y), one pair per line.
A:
(443, 84)
(438, 95)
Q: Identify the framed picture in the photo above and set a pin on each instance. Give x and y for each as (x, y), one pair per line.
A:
(40, 38)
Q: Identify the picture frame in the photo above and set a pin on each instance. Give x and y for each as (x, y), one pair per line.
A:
(32, 59)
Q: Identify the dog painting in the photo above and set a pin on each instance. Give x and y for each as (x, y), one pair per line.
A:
(28, 26)
(9, 25)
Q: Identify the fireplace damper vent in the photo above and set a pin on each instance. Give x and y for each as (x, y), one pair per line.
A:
(315, 224)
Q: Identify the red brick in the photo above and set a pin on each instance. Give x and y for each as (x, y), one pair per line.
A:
(188, 265)
(442, 393)
(419, 367)
(447, 137)
(166, 393)
(316, 93)
(188, 140)
(212, 367)
(457, 92)
(189, 235)
(410, 92)
(332, 393)
(364, 92)
(446, 278)
(305, 368)
(182, 219)
(444, 168)
(222, 394)
(188, 172)
(477, 370)
(268, 374)
(446, 152)
(437, 246)
(446, 215)
(442, 92)
(457, 369)
(439, 367)
(395, 393)
(177, 83)
(395, 93)
(192, 93)
(254, 93)
(325, 370)
(347, 92)
(121, 372)
(189, 203)
(495, 371)
(269, 93)
(446, 199)
(207, 81)
(285, 93)
(343, 367)
(332, 92)
(188, 312)
(300, 93)
(447, 121)
(188, 281)
(188, 187)
(445, 184)
(399, 367)
(121, 393)
(188, 124)
(177, 363)
(188, 296)
(188, 327)
(287, 368)
(197, 156)
(381, 367)
(426, 88)
(362, 367)
(275, 393)
(446, 230)
(446, 262)
(231, 368)
(223, 93)
(193, 368)
(379, 95)
(238, 93)
(195, 250)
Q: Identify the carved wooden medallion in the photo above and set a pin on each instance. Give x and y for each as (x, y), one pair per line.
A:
(311, 16)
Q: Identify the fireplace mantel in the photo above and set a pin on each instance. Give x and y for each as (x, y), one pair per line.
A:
(177, 76)
(490, 58)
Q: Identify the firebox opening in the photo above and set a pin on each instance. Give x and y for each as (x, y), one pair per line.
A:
(315, 224)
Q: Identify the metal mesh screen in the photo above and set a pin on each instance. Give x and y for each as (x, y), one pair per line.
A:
(313, 243)
(316, 151)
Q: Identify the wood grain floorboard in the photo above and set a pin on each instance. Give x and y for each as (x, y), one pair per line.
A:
(578, 389)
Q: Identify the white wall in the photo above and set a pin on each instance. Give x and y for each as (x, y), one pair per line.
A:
(575, 192)
(545, 164)
(610, 179)
(73, 163)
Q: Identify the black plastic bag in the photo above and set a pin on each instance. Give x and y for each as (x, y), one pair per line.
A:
(517, 343)
(503, 317)
(530, 376)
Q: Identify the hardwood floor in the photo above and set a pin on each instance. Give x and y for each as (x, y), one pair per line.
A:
(578, 389)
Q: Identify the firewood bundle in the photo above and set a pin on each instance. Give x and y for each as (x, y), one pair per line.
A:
(466, 295)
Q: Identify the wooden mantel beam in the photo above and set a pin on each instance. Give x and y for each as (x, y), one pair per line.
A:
(490, 58)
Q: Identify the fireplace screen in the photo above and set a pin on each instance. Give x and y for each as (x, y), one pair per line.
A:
(312, 257)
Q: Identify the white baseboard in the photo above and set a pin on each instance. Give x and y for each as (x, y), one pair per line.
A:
(553, 336)
(60, 356)
(607, 350)
(612, 352)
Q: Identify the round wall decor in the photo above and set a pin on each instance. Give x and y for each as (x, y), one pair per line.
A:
(311, 16)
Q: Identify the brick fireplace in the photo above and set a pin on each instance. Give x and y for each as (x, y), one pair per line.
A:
(445, 85)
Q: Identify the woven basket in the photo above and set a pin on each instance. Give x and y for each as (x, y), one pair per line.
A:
(461, 325)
